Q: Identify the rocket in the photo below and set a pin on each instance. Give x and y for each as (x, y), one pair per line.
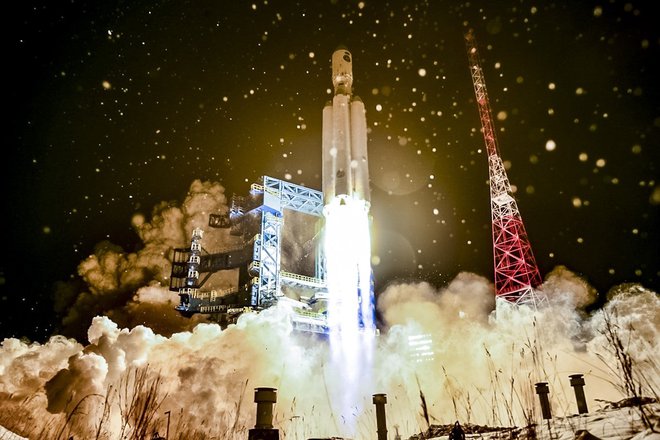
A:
(347, 241)
(345, 164)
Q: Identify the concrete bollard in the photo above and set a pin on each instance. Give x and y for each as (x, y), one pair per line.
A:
(381, 424)
(542, 390)
(577, 382)
(265, 398)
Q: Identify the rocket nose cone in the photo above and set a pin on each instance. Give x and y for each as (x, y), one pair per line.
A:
(342, 52)
(342, 71)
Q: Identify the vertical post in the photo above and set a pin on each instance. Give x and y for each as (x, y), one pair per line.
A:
(381, 424)
(265, 398)
(577, 382)
(167, 431)
(542, 390)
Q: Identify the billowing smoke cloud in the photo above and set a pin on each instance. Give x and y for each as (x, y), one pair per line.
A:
(482, 367)
(469, 362)
(132, 288)
(484, 364)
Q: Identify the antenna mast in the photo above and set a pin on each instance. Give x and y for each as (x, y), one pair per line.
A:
(516, 272)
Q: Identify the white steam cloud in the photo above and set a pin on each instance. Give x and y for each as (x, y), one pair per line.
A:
(133, 288)
(478, 366)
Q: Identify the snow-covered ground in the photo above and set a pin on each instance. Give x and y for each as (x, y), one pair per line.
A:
(8, 435)
(612, 424)
(622, 423)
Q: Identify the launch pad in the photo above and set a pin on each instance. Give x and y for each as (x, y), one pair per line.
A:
(341, 280)
(338, 292)
(259, 218)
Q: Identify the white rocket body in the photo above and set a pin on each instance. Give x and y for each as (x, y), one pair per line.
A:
(347, 241)
(345, 164)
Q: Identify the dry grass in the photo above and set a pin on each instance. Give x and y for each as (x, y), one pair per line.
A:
(635, 378)
(132, 409)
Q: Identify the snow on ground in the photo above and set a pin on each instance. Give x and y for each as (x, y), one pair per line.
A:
(612, 424)
(622, 423)
(8, 435)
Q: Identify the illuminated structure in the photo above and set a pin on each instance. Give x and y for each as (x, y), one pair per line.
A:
(258, 218)
(342, 278)
(347, 244)
(516, 272)
(421, 348)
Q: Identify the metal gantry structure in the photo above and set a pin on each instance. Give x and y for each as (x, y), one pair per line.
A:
(259, 261)
(516, 273)
(259, 258)
(277, 196)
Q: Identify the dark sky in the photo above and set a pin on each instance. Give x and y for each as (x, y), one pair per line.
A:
(115, 106)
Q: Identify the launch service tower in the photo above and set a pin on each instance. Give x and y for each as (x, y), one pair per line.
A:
(338, 294)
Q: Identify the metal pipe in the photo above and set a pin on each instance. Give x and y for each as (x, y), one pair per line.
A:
(265, 398)
(380, 400)
(542, 390)
(167, 433)
(577, 382)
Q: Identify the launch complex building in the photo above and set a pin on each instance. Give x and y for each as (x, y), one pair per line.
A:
(261, 218)
(338, 286)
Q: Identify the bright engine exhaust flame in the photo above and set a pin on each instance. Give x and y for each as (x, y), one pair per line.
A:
(350, 307)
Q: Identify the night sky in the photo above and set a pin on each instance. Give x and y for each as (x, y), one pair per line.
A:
(115, 106)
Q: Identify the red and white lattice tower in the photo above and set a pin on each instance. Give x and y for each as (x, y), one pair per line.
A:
(516, 272)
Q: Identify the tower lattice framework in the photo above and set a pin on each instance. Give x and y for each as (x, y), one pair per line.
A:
(516, 272)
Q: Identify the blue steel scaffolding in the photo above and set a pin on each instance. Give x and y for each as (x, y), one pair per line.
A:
(261, 268)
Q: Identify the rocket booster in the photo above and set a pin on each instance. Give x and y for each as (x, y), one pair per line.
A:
(345, 164)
